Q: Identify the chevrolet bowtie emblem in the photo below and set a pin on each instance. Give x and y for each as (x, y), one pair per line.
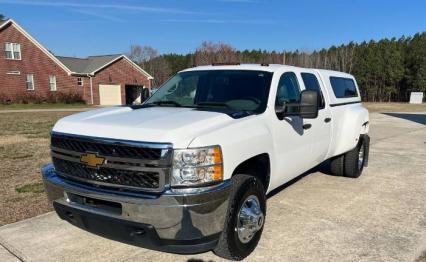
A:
(91, 159)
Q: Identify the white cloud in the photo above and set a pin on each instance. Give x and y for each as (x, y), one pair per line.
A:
(220, 21)
(139, 8)
(98, 15)
(239, 1)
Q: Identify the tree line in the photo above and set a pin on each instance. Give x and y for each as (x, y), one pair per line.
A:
(386, 70)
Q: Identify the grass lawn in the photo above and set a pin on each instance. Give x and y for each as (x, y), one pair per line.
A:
(24, 148)
(395, 107)
(41, 106)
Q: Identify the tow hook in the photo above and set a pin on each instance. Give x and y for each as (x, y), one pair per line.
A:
(71, 217)
(137, 232)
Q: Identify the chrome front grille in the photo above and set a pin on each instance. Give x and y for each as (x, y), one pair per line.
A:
(127, 165)
(105, 176)
(106, 149)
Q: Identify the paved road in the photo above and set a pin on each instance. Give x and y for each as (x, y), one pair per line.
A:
(379, 217)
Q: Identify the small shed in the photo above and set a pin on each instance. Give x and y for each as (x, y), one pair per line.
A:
(416, 97)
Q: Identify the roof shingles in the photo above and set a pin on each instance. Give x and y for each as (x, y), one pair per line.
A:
(87, 65)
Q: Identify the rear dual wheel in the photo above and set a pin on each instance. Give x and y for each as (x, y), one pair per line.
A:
(351, 163)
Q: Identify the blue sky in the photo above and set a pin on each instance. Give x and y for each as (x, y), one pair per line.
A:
(89, 27)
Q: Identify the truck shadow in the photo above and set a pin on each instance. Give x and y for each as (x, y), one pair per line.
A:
(418, 118)
(324, 168)
(198, 260)
(296, 123)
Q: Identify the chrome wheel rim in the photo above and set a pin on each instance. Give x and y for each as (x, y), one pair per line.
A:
(360, 158)
(250, 219)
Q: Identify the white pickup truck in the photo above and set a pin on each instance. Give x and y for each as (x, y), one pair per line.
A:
(189, 170)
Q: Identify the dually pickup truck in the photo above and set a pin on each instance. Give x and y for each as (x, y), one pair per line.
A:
(188, 170)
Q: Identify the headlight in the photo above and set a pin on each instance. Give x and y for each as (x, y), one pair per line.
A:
(197, 166)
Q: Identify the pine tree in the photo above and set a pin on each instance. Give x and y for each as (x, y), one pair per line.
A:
(386, 70)
(416, 57)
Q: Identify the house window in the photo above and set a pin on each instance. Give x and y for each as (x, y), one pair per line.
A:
(12, 51)
(30, 82)
(52, 83)
(79, 81)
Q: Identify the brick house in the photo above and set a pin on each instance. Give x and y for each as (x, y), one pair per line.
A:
(27, 69)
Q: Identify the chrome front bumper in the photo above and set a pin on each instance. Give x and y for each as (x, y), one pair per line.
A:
(183, 217)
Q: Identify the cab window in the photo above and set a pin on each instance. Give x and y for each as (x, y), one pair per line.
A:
(288, 90)
(311, 83)
(343, 87)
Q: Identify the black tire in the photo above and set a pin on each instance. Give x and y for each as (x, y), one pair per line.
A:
(337, 165)
(353, 168)
(229, 245)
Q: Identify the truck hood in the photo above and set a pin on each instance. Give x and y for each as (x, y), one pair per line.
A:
(178, 126)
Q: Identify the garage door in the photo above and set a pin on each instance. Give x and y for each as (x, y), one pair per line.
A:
(110, 95)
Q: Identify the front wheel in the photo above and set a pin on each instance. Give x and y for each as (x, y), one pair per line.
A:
(245, 218)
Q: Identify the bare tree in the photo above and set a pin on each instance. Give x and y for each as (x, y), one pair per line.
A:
(160, 70)
(142, 54)
(209, 53)
(149, 59)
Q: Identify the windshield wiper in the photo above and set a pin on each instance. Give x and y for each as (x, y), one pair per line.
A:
(207, 104)
(167, 102)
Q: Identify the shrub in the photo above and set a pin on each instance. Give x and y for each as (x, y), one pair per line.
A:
(70, 98)
(29, 98)
(38, 99)
(5, 99)
(25, 98)
(51, 98)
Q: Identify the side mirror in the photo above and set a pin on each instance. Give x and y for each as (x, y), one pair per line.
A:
(309, 104)
(307, 108)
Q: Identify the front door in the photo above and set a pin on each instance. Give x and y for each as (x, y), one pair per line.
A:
(291, 141)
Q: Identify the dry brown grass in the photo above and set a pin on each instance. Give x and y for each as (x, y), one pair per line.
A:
(24, 148)
(395, 107)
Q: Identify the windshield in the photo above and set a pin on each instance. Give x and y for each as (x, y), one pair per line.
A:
(233, 90)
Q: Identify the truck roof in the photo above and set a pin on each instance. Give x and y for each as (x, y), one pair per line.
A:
(325, 76)
(264, 67)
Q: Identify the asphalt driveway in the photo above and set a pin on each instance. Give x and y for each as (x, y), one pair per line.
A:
(379, 217)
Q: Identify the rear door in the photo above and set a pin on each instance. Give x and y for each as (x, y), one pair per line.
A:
(319, 132)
